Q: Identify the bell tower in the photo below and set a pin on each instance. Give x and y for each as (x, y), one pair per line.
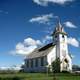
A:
(60, 39)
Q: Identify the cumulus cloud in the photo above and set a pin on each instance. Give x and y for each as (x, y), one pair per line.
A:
(47, 39)
(70, 24)
(46, 2)
(31, 42)
(45, 19)
(74, 42)
(27, 46)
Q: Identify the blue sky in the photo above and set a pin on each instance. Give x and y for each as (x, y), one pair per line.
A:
(32, 20)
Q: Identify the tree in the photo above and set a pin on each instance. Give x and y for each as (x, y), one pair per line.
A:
(56, 66)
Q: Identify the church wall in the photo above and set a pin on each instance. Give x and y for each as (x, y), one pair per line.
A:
(62, 51)
(70, 63)
(39, 68)
(63, 47)
(51, 56)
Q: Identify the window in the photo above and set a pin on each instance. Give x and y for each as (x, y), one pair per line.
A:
(66, 60)
(42, 61)
(62, 36)
(27, 63)
(55, 36)
(36, 62)
(31, 63)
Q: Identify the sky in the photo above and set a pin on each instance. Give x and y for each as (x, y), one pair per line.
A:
(28, 24)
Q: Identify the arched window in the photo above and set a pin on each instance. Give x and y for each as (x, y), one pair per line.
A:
(62, 36)
(66, 60)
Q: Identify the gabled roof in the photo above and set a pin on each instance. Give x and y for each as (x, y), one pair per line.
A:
(43, 51)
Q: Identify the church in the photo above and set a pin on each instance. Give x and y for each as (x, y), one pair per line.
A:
(41, 58)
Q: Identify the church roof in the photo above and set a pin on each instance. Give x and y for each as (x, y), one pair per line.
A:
(43, 51)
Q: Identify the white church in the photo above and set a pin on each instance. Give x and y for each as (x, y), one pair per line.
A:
(41, 58)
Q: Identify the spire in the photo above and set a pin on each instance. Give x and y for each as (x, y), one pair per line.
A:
(59, 23)
(59, 28)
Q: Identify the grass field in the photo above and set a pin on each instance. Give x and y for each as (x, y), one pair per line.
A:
(38, 76)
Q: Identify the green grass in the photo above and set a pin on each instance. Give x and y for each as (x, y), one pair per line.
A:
(39, 76)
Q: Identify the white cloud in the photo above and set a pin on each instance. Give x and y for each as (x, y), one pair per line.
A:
(70, 24)
(45, 19)
(26, 47)
(29, 45)
(73, 56)
(46, 2)
(47, 39)
(74, 42)
(31, 42)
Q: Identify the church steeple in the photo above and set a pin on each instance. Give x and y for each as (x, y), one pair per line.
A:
(59, 26)
(59, 29)
(59, 22)
(60, 39)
